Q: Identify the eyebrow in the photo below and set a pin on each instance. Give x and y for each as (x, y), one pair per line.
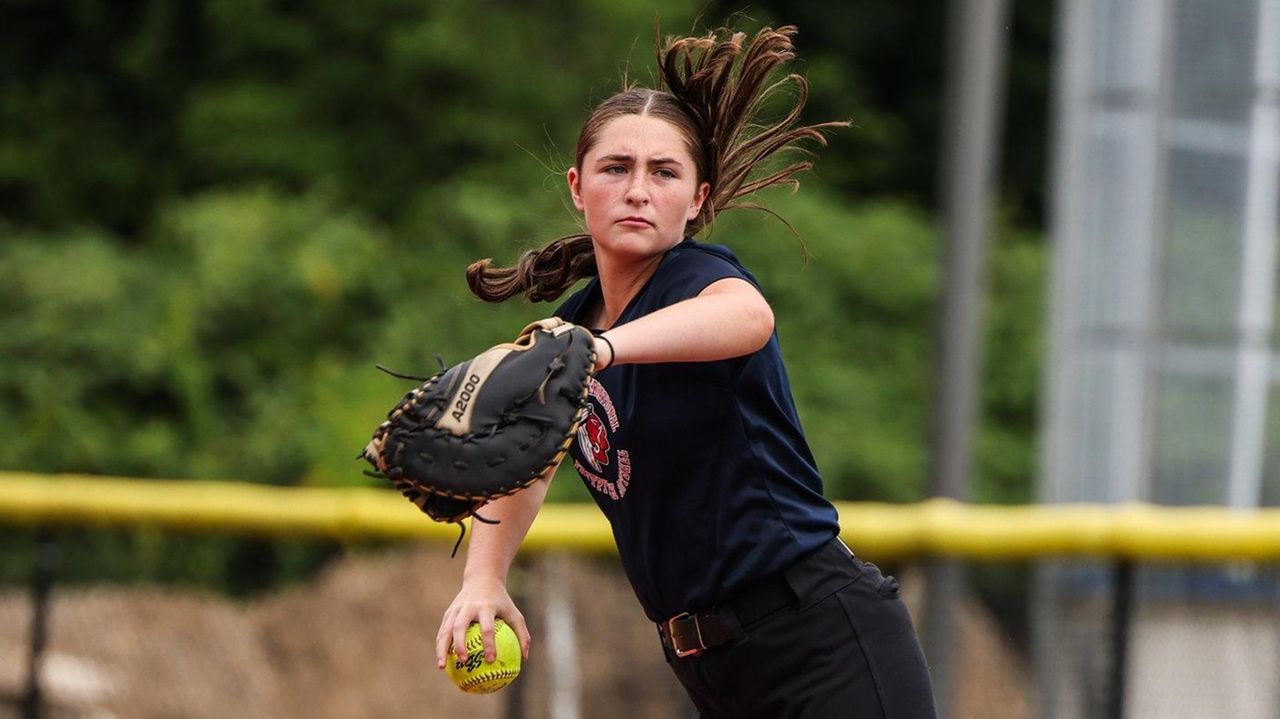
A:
(623, 157)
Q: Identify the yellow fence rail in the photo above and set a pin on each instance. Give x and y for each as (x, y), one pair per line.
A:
(876, 530)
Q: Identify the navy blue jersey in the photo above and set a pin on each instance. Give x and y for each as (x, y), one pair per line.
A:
(701, 467)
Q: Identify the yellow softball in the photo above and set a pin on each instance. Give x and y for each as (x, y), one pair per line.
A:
(476, 676)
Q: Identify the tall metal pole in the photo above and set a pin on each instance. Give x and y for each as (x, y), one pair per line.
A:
(971, 130)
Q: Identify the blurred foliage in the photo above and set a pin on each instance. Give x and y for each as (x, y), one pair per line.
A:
(217, 216)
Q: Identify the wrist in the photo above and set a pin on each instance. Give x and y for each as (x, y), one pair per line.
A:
(483, 578)
(605, 353)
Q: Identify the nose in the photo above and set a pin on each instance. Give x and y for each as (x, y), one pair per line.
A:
(637, 191)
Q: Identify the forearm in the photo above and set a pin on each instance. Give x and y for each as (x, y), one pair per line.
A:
(494, 546)
(714, 325)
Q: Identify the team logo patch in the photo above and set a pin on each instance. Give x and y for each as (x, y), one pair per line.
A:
(593, 440)
(599, 456)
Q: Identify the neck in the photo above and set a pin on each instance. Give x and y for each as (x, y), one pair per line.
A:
(620, 282)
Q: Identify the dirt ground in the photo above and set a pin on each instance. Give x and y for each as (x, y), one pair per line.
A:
(358, 641)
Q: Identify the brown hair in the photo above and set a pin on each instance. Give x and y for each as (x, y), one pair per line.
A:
(714, 89)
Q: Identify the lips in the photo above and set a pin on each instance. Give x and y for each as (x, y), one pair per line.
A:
(635, 221)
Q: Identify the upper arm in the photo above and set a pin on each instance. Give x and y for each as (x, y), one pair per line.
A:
(759, 315)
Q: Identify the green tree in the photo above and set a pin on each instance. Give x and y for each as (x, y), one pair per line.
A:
(215, 217)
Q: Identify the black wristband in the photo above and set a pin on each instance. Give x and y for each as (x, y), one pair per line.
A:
(613, 354)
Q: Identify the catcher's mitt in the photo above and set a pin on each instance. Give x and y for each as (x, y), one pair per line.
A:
(490, 426)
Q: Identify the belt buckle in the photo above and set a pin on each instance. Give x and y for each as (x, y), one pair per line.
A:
(675, 645)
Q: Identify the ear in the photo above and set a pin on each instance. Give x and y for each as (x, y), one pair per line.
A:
(696, 206)
(575, 187)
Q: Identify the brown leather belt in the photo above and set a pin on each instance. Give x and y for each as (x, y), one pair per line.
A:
(689, 634)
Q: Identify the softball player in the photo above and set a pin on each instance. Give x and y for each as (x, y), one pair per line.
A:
(691, 445)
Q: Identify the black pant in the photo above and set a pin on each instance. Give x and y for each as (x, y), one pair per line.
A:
(843, 647)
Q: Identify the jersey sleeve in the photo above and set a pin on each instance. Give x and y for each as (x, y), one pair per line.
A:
(691, 268)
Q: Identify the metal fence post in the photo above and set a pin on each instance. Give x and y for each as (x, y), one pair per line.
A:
(1121, 619)
(42, 576)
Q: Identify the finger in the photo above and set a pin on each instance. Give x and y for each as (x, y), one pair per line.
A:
(443, 637)
(486, 635)
(516, 620)
(460, 625)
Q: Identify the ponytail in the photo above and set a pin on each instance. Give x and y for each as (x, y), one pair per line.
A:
(541, 275)
(724, 88)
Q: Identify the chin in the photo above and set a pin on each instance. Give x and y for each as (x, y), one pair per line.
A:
(636, 243)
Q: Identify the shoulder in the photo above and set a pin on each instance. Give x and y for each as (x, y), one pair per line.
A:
(694, 254)
(691, 266)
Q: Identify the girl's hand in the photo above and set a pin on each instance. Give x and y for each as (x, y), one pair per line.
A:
(480, 600)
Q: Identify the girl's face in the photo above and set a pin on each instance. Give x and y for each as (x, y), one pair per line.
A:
(638, 187)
